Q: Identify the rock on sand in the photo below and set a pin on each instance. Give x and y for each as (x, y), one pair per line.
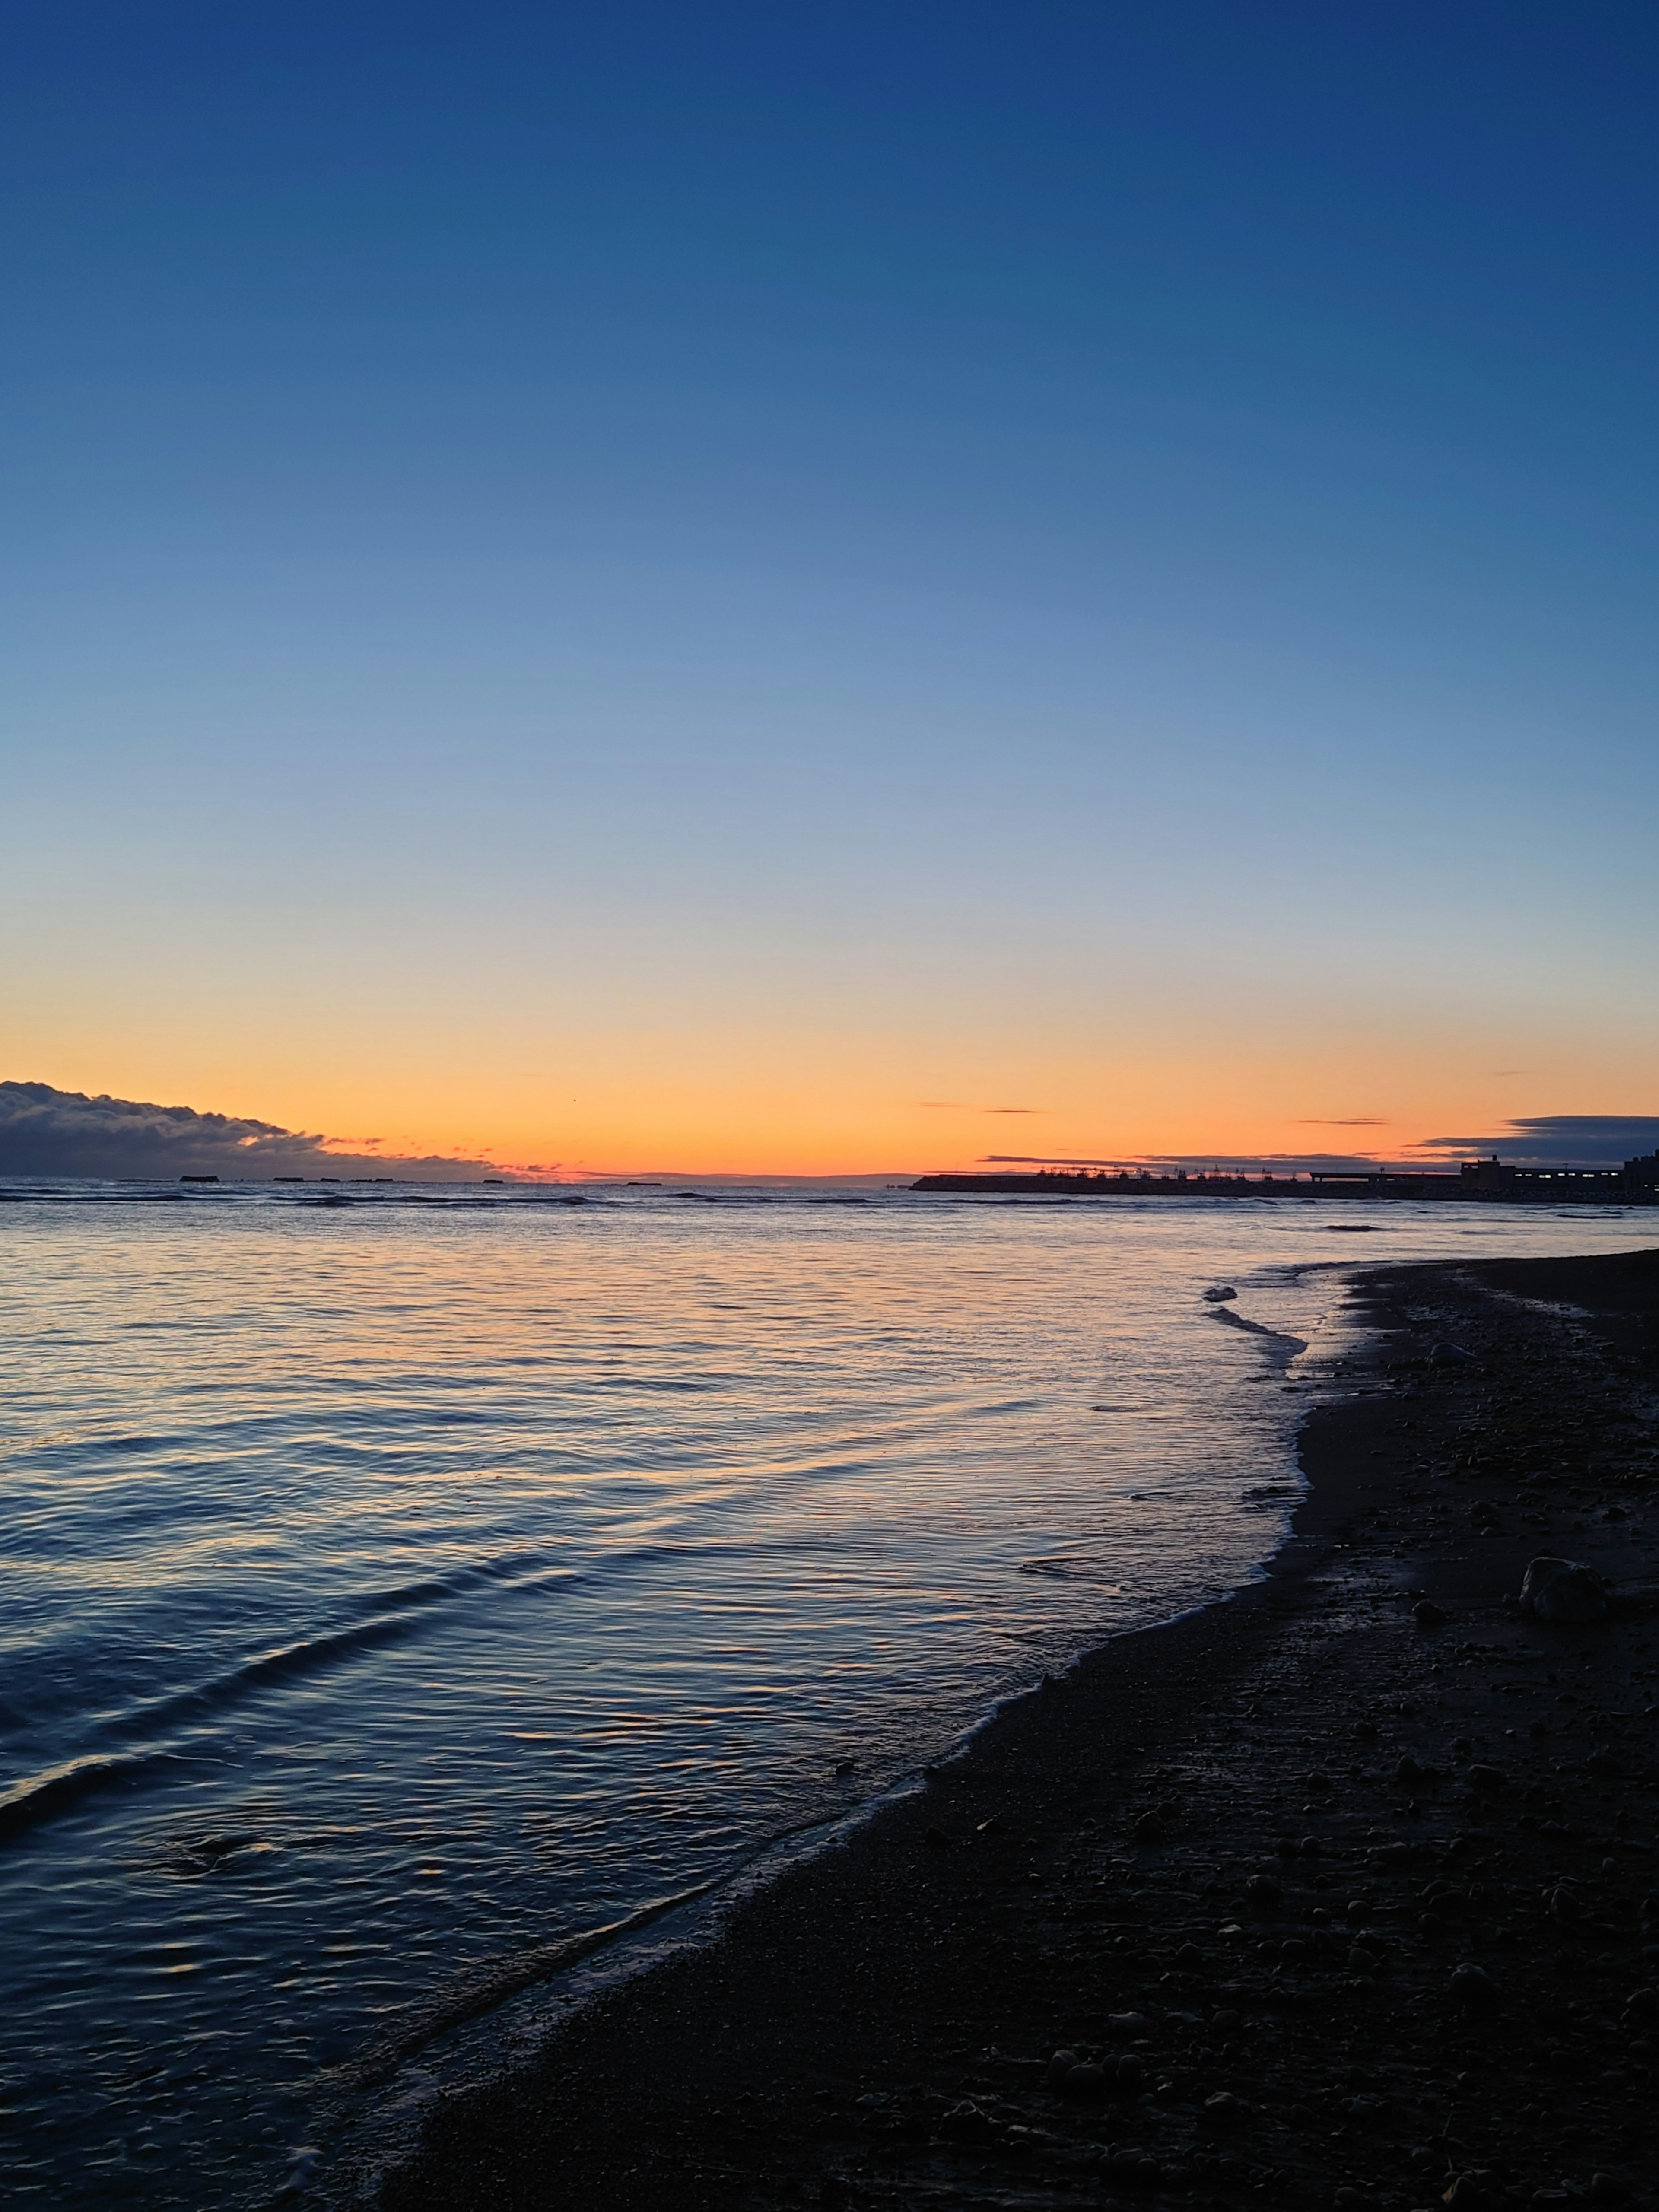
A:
(1561, 1589)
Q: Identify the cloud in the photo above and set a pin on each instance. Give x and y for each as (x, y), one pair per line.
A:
(43, 1132)
(1554, 1140)
(958, 1106)
(1530, 1140)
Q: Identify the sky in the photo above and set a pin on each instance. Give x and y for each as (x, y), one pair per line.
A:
(833, 589)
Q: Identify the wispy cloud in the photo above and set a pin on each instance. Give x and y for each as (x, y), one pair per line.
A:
(45, 1132)
(960, 1106)
(1351, 1122)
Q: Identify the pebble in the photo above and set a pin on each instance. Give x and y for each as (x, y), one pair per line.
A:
(1427, 1614)
(1088, 2081)
(1471, 1985)
(1466, 2188)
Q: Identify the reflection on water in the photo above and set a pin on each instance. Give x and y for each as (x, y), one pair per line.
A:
(396, 1585)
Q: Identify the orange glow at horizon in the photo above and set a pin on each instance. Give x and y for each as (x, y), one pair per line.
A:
(820, 1112)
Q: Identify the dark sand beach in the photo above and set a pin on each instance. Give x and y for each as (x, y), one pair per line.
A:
(1337, 1895)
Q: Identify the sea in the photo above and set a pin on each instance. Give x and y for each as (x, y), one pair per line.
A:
(420, 1602)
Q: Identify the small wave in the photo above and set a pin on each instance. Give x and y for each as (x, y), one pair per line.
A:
(411, 1594)
(1069, 1570)
(393, 1614)
(492, 1983)
(49, 1795)
(188, 1858)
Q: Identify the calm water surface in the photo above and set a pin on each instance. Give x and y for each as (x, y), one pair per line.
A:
(396, 1583)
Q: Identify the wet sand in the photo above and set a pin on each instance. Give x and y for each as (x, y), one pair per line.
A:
(1330, 1904)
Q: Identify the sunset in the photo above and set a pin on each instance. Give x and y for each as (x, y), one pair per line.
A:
(829, 1107)
(663, 599)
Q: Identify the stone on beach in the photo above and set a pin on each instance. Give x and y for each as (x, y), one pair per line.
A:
(1471, 1986)
(1563, 1590)
(1466, 2188)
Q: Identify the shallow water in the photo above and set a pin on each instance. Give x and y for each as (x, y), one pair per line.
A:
(396, 1582)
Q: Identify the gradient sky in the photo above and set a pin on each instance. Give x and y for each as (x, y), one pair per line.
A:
(755, 586)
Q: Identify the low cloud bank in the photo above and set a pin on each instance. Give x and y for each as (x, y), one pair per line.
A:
(1533, 1140)
(43, 1132)
(1556, 1140)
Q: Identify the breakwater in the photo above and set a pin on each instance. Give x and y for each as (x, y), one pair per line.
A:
(1482, 1183)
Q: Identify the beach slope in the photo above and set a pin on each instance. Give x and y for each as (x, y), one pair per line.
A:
(1335, 1894)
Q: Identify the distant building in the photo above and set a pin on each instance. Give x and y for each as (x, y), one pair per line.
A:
(1542, 1183)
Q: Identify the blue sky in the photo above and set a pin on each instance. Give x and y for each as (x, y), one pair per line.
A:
(578, 582)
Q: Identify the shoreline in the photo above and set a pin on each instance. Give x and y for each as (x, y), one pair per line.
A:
(874, 2026)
